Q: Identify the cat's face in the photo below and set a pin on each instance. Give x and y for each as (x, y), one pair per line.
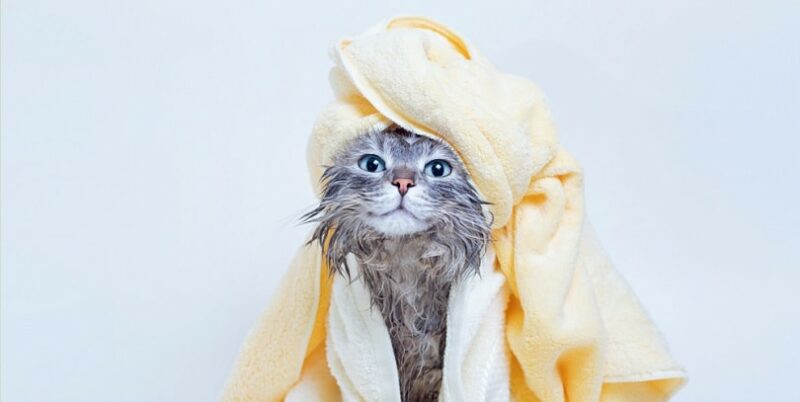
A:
(392, 185)
(398, 183)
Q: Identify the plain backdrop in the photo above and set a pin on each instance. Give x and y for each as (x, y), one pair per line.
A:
(153, 170)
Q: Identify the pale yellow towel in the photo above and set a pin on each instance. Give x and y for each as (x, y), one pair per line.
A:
(575, 330)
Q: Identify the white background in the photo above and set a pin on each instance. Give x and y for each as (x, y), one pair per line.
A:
(153, 172)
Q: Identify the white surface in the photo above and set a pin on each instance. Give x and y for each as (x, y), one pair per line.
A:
(153, 170)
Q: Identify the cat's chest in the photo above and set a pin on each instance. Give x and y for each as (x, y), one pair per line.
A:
(409, 281)
(410, 286)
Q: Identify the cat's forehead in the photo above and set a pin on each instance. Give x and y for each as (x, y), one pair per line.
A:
(400, 143)
(407, 141)
(412, 139)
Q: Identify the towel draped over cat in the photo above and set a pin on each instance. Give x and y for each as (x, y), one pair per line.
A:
(574, 329)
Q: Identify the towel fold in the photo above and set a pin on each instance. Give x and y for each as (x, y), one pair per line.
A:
(575, 330)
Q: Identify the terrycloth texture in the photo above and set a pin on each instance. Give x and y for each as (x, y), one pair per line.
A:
(575, 330)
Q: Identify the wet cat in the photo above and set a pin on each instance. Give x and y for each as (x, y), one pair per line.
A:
(405, 207)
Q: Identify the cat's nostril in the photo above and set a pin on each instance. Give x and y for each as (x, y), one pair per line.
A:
(403, 185)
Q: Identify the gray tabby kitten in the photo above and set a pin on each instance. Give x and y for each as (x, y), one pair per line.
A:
(404, 206)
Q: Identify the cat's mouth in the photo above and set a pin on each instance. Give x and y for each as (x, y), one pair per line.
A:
(399, 211)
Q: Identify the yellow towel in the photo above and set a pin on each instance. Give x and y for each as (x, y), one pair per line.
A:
(574, 329)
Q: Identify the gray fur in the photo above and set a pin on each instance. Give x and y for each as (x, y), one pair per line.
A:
(409, 275)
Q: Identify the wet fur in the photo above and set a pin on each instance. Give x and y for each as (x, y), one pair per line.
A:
(410, 275)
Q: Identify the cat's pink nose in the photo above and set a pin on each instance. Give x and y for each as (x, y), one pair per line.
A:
(403, 185)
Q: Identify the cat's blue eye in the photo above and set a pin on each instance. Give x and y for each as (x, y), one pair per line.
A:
(438, 168)
(372, 163)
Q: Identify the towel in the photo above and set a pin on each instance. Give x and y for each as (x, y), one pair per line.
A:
(574, 329)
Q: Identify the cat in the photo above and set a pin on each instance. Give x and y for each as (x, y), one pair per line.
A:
(404, 205)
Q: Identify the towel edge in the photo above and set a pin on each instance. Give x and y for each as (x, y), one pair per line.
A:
(650, 376)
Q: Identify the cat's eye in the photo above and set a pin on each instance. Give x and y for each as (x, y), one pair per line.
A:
(438, 168)
(372, 163)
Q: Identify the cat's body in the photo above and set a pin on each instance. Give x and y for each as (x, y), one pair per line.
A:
(409, 280)
(404, 207)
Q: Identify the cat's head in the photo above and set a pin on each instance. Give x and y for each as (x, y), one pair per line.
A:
(394, 183)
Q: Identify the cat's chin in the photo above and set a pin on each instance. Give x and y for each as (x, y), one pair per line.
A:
(397, 223)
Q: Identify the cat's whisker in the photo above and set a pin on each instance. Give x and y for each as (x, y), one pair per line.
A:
(411, 246)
